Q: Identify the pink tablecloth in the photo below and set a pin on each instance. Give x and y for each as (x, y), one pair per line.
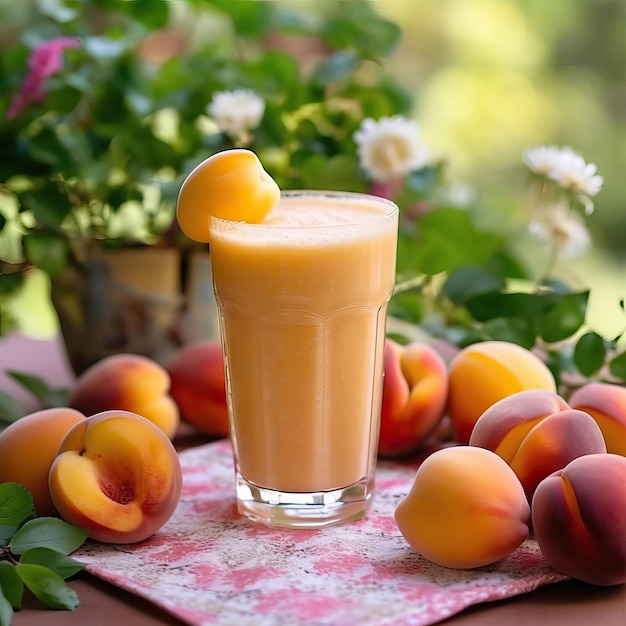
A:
(209, 566)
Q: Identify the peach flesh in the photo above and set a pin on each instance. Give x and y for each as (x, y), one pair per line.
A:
(117, 476)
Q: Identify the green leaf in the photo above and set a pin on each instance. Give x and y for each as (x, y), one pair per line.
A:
(16, 504)
(565, 318)
(560, 361)
(45, 149)
(11, 585)
(57, 398)
(358, 26)
(47, 251)
(486, 306)
(6, 532)
(275, 71)
(407, 307)
(47, 532)
(249, 18)
(589, 353)
(47, 586)
(10, 281)
(6, 612)
(10, 409)
(60, 564)
(511, 329)
(553, 316)
(468, 281)
(617, 365)
(338, 172)
(557, 285)
(152, 14)
(446, 239)
(337, 67)
(504, 264)
(34, 384)
(64, 98)
(49, 204)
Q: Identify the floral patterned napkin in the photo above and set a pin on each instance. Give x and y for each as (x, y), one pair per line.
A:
(208, 566)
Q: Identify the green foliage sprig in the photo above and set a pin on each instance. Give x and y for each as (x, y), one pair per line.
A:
(34, 554)
(460, 281)
(45, 396)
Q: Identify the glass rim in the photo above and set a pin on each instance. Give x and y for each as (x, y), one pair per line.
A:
(336, 194)
(287, 194)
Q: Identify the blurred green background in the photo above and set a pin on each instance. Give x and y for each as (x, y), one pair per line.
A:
(492, 78)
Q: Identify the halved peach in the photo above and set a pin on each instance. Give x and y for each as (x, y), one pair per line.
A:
(117, 476)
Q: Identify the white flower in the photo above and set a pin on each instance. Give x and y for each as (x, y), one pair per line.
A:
(563, 228)
(542, 159)
(566, 168)
(236, 112)
(390, 147)
(574, 174)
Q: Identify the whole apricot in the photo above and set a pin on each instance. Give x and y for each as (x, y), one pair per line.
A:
(536, 433)
(483, 373)
(29, 446)
(606, 403)
(198, 386)
(504, 425)
(128, 382)
(579, 519)
(415, 388)
(116, 476)
(466, 508)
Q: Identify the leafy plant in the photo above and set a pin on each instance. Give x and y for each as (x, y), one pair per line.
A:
(34, 554)
(95, 146)
(95, 160)
(480, 274)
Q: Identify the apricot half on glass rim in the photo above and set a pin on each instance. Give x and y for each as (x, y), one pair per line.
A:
(231, 185)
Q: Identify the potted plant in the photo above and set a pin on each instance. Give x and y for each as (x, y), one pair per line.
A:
(84, 177)
(106, 107)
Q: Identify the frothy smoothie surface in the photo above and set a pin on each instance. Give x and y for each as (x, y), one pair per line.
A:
(301, 219)
(305, 211)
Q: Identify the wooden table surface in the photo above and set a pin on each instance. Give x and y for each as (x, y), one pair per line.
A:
(570, 603)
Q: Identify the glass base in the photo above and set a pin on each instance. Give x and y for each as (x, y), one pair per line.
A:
(303, 510)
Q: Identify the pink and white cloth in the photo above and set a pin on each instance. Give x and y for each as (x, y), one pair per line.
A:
(208, 566)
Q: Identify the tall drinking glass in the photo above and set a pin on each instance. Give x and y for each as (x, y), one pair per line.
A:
(302, 299)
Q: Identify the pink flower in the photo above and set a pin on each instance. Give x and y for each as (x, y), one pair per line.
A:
(45, 60)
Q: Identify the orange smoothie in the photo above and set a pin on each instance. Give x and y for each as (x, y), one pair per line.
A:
(302, 299)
